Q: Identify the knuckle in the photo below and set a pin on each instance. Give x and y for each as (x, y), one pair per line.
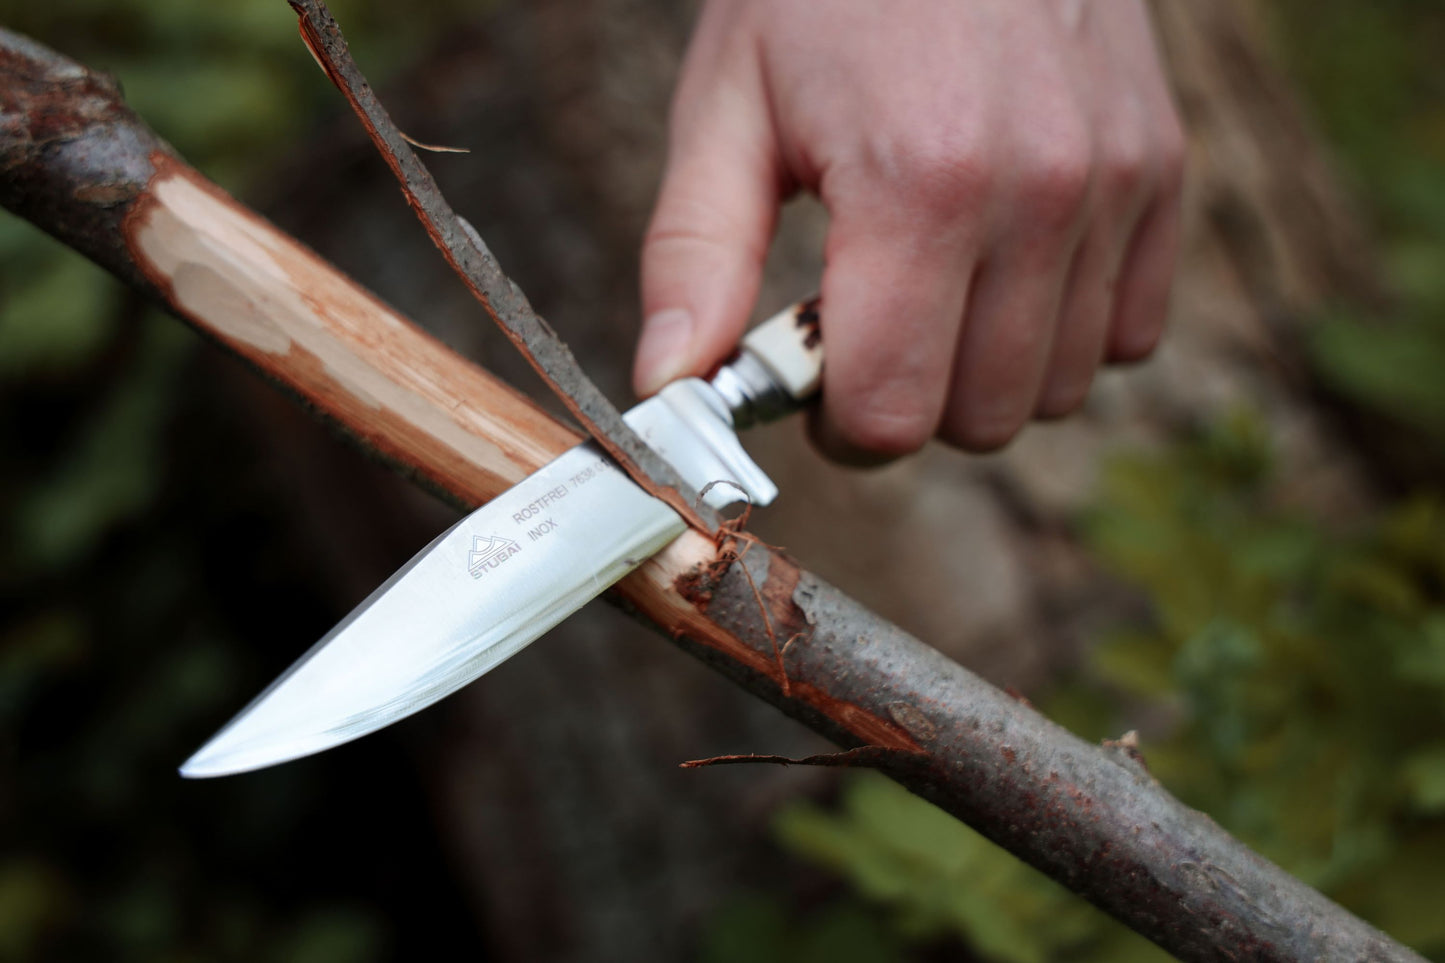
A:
(1127, 169)
(683, 216)
(668, 248)
(688, 228)
(1056, 179)
(944, 175)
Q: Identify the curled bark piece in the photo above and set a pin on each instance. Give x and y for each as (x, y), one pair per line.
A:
(474, 263)
(76, 162)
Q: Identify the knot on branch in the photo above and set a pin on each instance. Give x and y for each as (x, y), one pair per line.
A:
(46, 98)
(1126, 751)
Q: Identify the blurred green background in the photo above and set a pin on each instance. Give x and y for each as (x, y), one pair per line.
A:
(1289, 657)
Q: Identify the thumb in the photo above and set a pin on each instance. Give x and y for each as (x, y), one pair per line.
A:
(702, 258)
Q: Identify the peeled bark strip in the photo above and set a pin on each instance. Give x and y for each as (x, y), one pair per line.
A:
(474, 263)
(82, 167)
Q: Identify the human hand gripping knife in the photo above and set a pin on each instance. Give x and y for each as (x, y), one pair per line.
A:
(517, 566)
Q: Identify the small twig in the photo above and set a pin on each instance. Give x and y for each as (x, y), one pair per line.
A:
(863, 757)
(475, 264)
(1127, 747)
(434, 148)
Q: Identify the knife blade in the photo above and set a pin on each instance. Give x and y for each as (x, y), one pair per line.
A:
(505, 574)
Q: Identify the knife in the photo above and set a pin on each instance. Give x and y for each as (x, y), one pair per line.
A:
(514, 568)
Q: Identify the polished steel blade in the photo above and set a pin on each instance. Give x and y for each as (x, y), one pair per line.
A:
(488, 586)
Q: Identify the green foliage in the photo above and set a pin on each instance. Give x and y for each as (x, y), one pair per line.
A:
(57, 306)
(338, 935)
(230, 85)
(1392, 368)
(1304, 665)
(112, 469)
(33, 898)
(1378, 87)
(756, 929)
(941, 878)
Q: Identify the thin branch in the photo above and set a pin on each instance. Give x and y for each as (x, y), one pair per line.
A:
(76, 162)
(475, 264)
(863, 757)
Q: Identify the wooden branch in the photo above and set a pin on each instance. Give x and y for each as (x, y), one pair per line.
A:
(79, 164)
(474, 263)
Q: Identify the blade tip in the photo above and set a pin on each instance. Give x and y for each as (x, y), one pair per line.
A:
(208, 763)
(194, 768)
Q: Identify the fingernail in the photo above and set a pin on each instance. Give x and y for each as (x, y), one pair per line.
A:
(665, 350)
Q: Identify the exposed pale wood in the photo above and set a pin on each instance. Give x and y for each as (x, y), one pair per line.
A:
(278, 305)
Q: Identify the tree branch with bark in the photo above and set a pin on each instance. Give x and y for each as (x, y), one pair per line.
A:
(80, 165)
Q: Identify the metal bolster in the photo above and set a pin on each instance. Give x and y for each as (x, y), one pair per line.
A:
(752, 394)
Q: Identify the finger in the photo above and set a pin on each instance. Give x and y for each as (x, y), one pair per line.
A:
(1009, 327)
(894, 290)
(1122, 188)
(1083, 328)
(1143, 151)
(702, 258)
(1142, 298)
(1007, 339)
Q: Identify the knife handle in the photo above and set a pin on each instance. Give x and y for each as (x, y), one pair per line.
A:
(777, 369)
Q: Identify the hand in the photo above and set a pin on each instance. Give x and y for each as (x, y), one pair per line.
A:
(1003, 183)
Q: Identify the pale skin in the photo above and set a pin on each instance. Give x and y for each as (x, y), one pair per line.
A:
(1003, 184)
